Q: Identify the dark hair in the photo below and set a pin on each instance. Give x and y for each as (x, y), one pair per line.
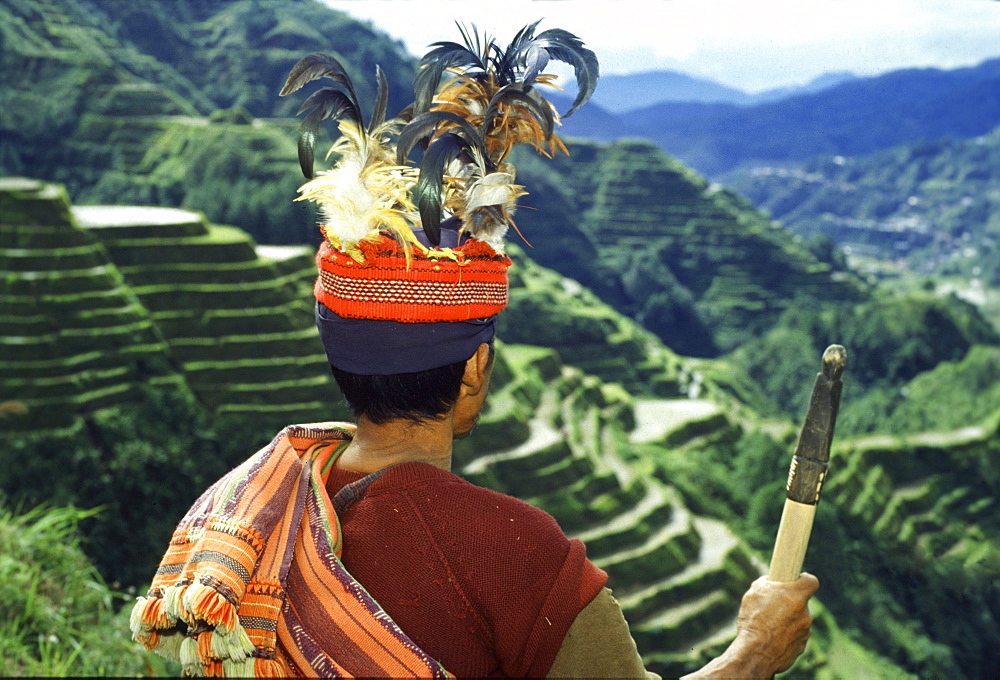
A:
(425, 395)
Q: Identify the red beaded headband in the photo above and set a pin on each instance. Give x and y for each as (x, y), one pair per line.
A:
(470, 282)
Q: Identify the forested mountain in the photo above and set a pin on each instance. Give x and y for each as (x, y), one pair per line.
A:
(852, 118)
(934, 204)
(99, 94)
(657, 347)
(693, 263)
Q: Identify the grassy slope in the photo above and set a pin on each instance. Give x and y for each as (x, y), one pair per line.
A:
(57, 615)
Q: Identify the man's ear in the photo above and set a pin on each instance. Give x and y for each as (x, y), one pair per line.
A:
(477, 370)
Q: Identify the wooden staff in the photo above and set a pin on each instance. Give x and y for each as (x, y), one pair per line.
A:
(808, 469)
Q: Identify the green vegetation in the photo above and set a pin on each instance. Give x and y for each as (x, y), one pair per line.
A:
(57, 616)
(145, 462)
(952, 395)
(691, 262)
(156, 101)
(658, 344)
(891, 339)
(934, 204)
(582, 330)
(928, 502)
(135, 371)
(234, 173)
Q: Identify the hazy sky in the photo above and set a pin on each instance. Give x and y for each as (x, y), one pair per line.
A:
(748, 44)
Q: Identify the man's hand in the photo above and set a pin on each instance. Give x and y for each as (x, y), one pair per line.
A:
(771, 631)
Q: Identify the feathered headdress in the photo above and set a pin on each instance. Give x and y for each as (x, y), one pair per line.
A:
(410, 246)
(366, 192)
(473, 103)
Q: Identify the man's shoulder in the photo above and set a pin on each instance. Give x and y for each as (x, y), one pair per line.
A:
(428, 484)
(465, 512)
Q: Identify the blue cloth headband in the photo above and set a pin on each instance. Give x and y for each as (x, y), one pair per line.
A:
(370, 347)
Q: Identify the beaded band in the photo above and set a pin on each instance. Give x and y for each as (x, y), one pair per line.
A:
(420, 289)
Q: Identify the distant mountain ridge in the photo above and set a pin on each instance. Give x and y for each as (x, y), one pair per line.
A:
(621, 93)
(851, 118)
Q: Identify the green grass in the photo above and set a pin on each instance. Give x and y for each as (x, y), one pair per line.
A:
(57, 615)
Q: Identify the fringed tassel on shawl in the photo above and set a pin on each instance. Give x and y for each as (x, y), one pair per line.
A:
(173, 604)
(210, 606)
(170, 646)
(243, 668)
(189, 653)
(222, 648)
(234, 644)
(269, 668)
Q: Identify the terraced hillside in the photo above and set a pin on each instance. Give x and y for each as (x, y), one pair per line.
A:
(238, 321)
(660, 227)
(156, 100)
(93, 409)
(677, 576)
(929, 502)
(586, 452)
(552, 310)
(933, 204)
(930, 495)
(73, 336)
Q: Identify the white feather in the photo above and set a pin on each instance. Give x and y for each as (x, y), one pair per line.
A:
(351, 207)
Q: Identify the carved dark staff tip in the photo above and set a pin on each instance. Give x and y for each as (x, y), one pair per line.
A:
(834, 361)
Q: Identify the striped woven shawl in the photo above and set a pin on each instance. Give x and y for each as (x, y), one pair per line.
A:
(252, 583)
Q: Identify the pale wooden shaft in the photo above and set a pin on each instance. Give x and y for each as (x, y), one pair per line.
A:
(792, 541)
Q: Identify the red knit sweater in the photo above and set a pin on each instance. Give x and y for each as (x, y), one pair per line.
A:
(485, 583)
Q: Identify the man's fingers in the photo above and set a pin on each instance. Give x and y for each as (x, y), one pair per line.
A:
(805, 582)
(808, 581)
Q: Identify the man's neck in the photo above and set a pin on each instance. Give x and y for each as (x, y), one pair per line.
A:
(375, 447)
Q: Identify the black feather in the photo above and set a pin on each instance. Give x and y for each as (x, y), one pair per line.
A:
(314, 66)
(308, 130)
(508, 66)
(406, 115)
(427, 191)
(326, 102)
(381, 100)
(445, 55)
(566, 47)
(426, 124)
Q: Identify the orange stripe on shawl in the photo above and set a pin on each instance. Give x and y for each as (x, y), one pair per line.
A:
(252, 584)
